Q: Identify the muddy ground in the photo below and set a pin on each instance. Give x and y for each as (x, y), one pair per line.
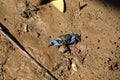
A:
(96, 55)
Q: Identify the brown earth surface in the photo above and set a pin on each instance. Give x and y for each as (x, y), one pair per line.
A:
(34, 25)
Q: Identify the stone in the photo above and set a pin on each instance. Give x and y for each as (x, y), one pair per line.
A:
(74, 67)
(25, 27)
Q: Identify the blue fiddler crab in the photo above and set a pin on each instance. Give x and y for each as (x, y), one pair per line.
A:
(64, 39)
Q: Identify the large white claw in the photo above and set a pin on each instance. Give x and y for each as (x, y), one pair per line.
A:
(59, 4)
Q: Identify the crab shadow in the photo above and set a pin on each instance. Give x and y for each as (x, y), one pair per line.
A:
(113, 3)
(43, 2)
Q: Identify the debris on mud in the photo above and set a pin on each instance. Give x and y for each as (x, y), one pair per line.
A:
(29, 11)
(74, 67)
(112, 65)
(2, 72)
(25, 27)
(22, 28)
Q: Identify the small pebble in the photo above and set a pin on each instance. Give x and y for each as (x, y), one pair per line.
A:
(25, 27)
(74, 67)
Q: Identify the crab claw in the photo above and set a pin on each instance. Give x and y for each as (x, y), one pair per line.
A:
(50, 44)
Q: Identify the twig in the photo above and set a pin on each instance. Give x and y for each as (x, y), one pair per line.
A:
(22, 50)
